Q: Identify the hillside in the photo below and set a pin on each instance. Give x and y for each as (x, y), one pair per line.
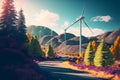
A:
(111, 37)
(40, 31)
(72, 42)
(72, 45)
(57, 40)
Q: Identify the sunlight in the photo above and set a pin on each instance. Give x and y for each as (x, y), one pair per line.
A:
(20, 4)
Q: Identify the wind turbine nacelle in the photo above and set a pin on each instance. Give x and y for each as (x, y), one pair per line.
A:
(80, 18)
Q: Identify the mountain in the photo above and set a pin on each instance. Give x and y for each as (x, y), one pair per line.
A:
(75, 41)
(72, 45)
(44, 39)
(111, 37)
(72, 42)
(57, 40)
(104, 35)
(40, 31)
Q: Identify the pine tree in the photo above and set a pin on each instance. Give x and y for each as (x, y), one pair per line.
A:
(34, 48)
(21, 22)
(49, 52)
(21, 28)
(89, 55)
(103, 57)
(115, 49)
(8, 18)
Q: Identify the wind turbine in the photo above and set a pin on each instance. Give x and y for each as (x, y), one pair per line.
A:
(81, 21)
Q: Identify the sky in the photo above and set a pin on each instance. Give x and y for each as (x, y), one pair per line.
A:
(100, 15)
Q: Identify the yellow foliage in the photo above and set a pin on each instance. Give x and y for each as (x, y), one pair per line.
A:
(94, 45)
(65, 53)
(66, 64)
(29, 36)
(78, 61)
(76, 54)
(82, 55)
(115, 49)
(116, 77)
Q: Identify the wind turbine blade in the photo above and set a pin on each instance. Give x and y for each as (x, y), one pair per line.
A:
(71, 24)
(88, 26)
(83, 11)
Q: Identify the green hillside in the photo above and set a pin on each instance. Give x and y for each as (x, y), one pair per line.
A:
(40, 31)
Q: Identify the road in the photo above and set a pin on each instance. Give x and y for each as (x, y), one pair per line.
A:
(53, 70)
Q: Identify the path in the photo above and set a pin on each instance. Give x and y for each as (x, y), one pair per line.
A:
(53, 70)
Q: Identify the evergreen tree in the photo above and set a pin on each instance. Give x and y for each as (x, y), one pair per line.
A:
(49, 52)
(21, 28)
(8, 18)
(89, 55)
(21, 23)
(34, 48)
(103, 57)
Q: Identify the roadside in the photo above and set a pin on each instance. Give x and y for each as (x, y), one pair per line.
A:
(59, 70)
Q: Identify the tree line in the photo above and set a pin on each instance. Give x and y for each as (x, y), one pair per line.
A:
(102, 55)
(12, 24)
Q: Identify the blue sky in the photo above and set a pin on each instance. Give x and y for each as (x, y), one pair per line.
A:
(100, 15)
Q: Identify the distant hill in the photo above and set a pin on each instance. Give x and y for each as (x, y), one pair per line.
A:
(111, 37)
(44, 39)
(104, 35)
(75, 41)
(72, 41)
(57, 40)
(40, 31)
(72, 45)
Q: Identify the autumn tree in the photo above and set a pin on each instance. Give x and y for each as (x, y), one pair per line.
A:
(89, 55)
(29, 36)
(34, 48)
(115, 49)
(94, 45)
(49, 52)
(103, 56)
(8, 18)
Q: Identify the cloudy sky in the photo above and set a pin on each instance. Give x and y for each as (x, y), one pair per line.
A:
(100, 15)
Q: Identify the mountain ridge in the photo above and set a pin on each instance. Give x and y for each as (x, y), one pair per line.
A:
(72, 41)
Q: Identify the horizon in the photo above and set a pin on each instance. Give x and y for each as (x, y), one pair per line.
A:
(100, 15)
(74, 34)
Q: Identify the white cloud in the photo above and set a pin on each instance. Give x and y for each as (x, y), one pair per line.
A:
(96, 31)
(45, 18)
(86, 32)
(62, 27)
(106, 18)
(66, 23)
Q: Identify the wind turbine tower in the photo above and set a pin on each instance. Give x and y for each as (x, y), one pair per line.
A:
(81, 21)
